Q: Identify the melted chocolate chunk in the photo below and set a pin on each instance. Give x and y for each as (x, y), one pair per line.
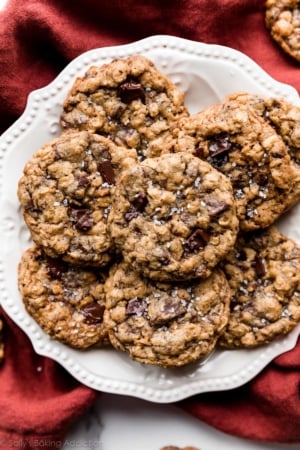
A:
(164, 309)
(56, 268)
(93, 313)
(83, 181)
(135, 307)
(138, 205)
(131, 90)
(106, 170)
(197, 240)
(199, 151)
(81, 218)
(216, 207)
(140, 201)
(220, 145)
(259, 266)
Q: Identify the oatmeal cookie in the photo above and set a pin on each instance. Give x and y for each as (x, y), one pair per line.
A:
(173, 217)
(263, 271)
(66, 191)
(67, 301)
(244, 147)
(282, 18)
(165, 324)
(284, 117)
(128, 100)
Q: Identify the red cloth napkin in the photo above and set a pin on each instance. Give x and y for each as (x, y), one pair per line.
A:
(38, 399)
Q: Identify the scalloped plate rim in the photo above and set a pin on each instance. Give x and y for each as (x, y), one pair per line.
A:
(42, 343)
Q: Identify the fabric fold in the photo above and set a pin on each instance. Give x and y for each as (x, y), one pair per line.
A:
(39, 400)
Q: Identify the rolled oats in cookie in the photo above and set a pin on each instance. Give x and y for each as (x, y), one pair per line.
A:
(165, 324)
(173, 217)
(282, 18)
(284, 117)
(67, 301)
(1, 341)
(66, 192)
(128, 100)
(246, 149)
(263, 271)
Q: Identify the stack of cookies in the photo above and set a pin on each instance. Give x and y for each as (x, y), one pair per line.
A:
(153, 229)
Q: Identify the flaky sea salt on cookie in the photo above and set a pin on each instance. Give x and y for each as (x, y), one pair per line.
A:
(165, 324)
(173, 217)
(66, 193)
(284, 117)
(263, 271)
(67, 301)
(247, 150)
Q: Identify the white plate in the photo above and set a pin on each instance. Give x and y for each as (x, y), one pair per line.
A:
(151, 426)
(206, 73)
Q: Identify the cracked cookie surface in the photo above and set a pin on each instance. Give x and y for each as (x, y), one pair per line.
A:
(263, 271)
(165, 324)
(282, 18)
(173, 217)
(244, 147)
(67, 301)
(66, 191)
(128, 100)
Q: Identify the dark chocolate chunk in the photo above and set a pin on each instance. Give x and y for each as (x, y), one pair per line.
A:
(259, 266)
(136, 307)
(106, 170)
(216, 207)
(81, 218)
(56, 268)
(140, 201)
(199, 151)
(93, 313)
(220, 145)
(165, 309)
(138, 204)
(83, 181)
(131, 90)
(197, 240)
